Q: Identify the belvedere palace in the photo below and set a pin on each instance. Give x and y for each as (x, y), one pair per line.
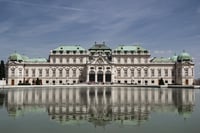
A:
(126, 64)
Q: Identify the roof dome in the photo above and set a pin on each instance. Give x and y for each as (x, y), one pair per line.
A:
(184, 56)
(15, 57)
(174, 58)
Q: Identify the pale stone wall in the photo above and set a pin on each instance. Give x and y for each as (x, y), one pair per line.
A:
(64, 68)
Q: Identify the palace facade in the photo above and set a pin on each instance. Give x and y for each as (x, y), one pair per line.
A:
(126, 64)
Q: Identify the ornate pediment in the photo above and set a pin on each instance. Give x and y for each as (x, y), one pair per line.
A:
(99, 60)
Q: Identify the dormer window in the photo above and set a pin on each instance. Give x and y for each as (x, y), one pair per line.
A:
(61, 51)
(54, 60)
(74, 60)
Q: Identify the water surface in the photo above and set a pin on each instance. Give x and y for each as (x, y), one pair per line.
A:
(99, 109)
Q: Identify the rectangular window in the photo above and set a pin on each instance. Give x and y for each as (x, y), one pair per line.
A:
(67, 72)
(139, 72)
(61, 60)
(54, 60)
(60, 72)
(81, 60)
(47, 72)
(132, 60)
(152, 73)
(118, 60)
(166, 72)
(54, 73)
(26, 72)
(159, 72)
(125, 60)
(186, 72)
(119, 73)
(192, 72)
(139, 60)
(74, 73)
(132, 72)
(33, 72)
(20, 72)
(80, 72)
(173, 72)
(74, 60)
(40, 72)
(67, 60)
(179, 72)
(125, 73)
(13, 72)
(146, 60)
(146, 73)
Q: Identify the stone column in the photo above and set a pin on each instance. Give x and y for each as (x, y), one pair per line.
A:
(96, 77)
(87, 75)
(104, 96)
(88, 96)
(96, 96)
(104, 77)
(113, 75)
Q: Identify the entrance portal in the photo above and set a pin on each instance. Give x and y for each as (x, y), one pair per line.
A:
(100, 76)
(92, 76)
(186, 82)
(108, 76)
(12, 82)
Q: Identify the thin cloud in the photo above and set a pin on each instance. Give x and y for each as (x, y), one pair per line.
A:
(160, 25)
(42, 6)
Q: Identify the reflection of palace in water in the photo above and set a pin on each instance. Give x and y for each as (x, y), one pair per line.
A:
(101, 105)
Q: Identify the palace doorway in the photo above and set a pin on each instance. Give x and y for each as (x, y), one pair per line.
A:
(108, 76)
(12, 82)
(92, 76)
(100, 76)
(186, 82)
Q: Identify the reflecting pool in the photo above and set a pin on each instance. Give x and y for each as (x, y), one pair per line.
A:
(99, 109)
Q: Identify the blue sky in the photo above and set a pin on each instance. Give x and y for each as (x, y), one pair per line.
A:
(165, 27)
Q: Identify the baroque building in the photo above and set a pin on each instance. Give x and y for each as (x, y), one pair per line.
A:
(125, 64)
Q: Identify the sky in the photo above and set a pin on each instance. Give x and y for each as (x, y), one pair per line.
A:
(164, 27)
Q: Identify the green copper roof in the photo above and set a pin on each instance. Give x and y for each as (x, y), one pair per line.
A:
(36, 60)
(100, 47)
(161, 60)
(24, 57)
(184, 56)
(18, 57)
(70, 48)
(130, 48)
(174, 58)
(15, 57)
